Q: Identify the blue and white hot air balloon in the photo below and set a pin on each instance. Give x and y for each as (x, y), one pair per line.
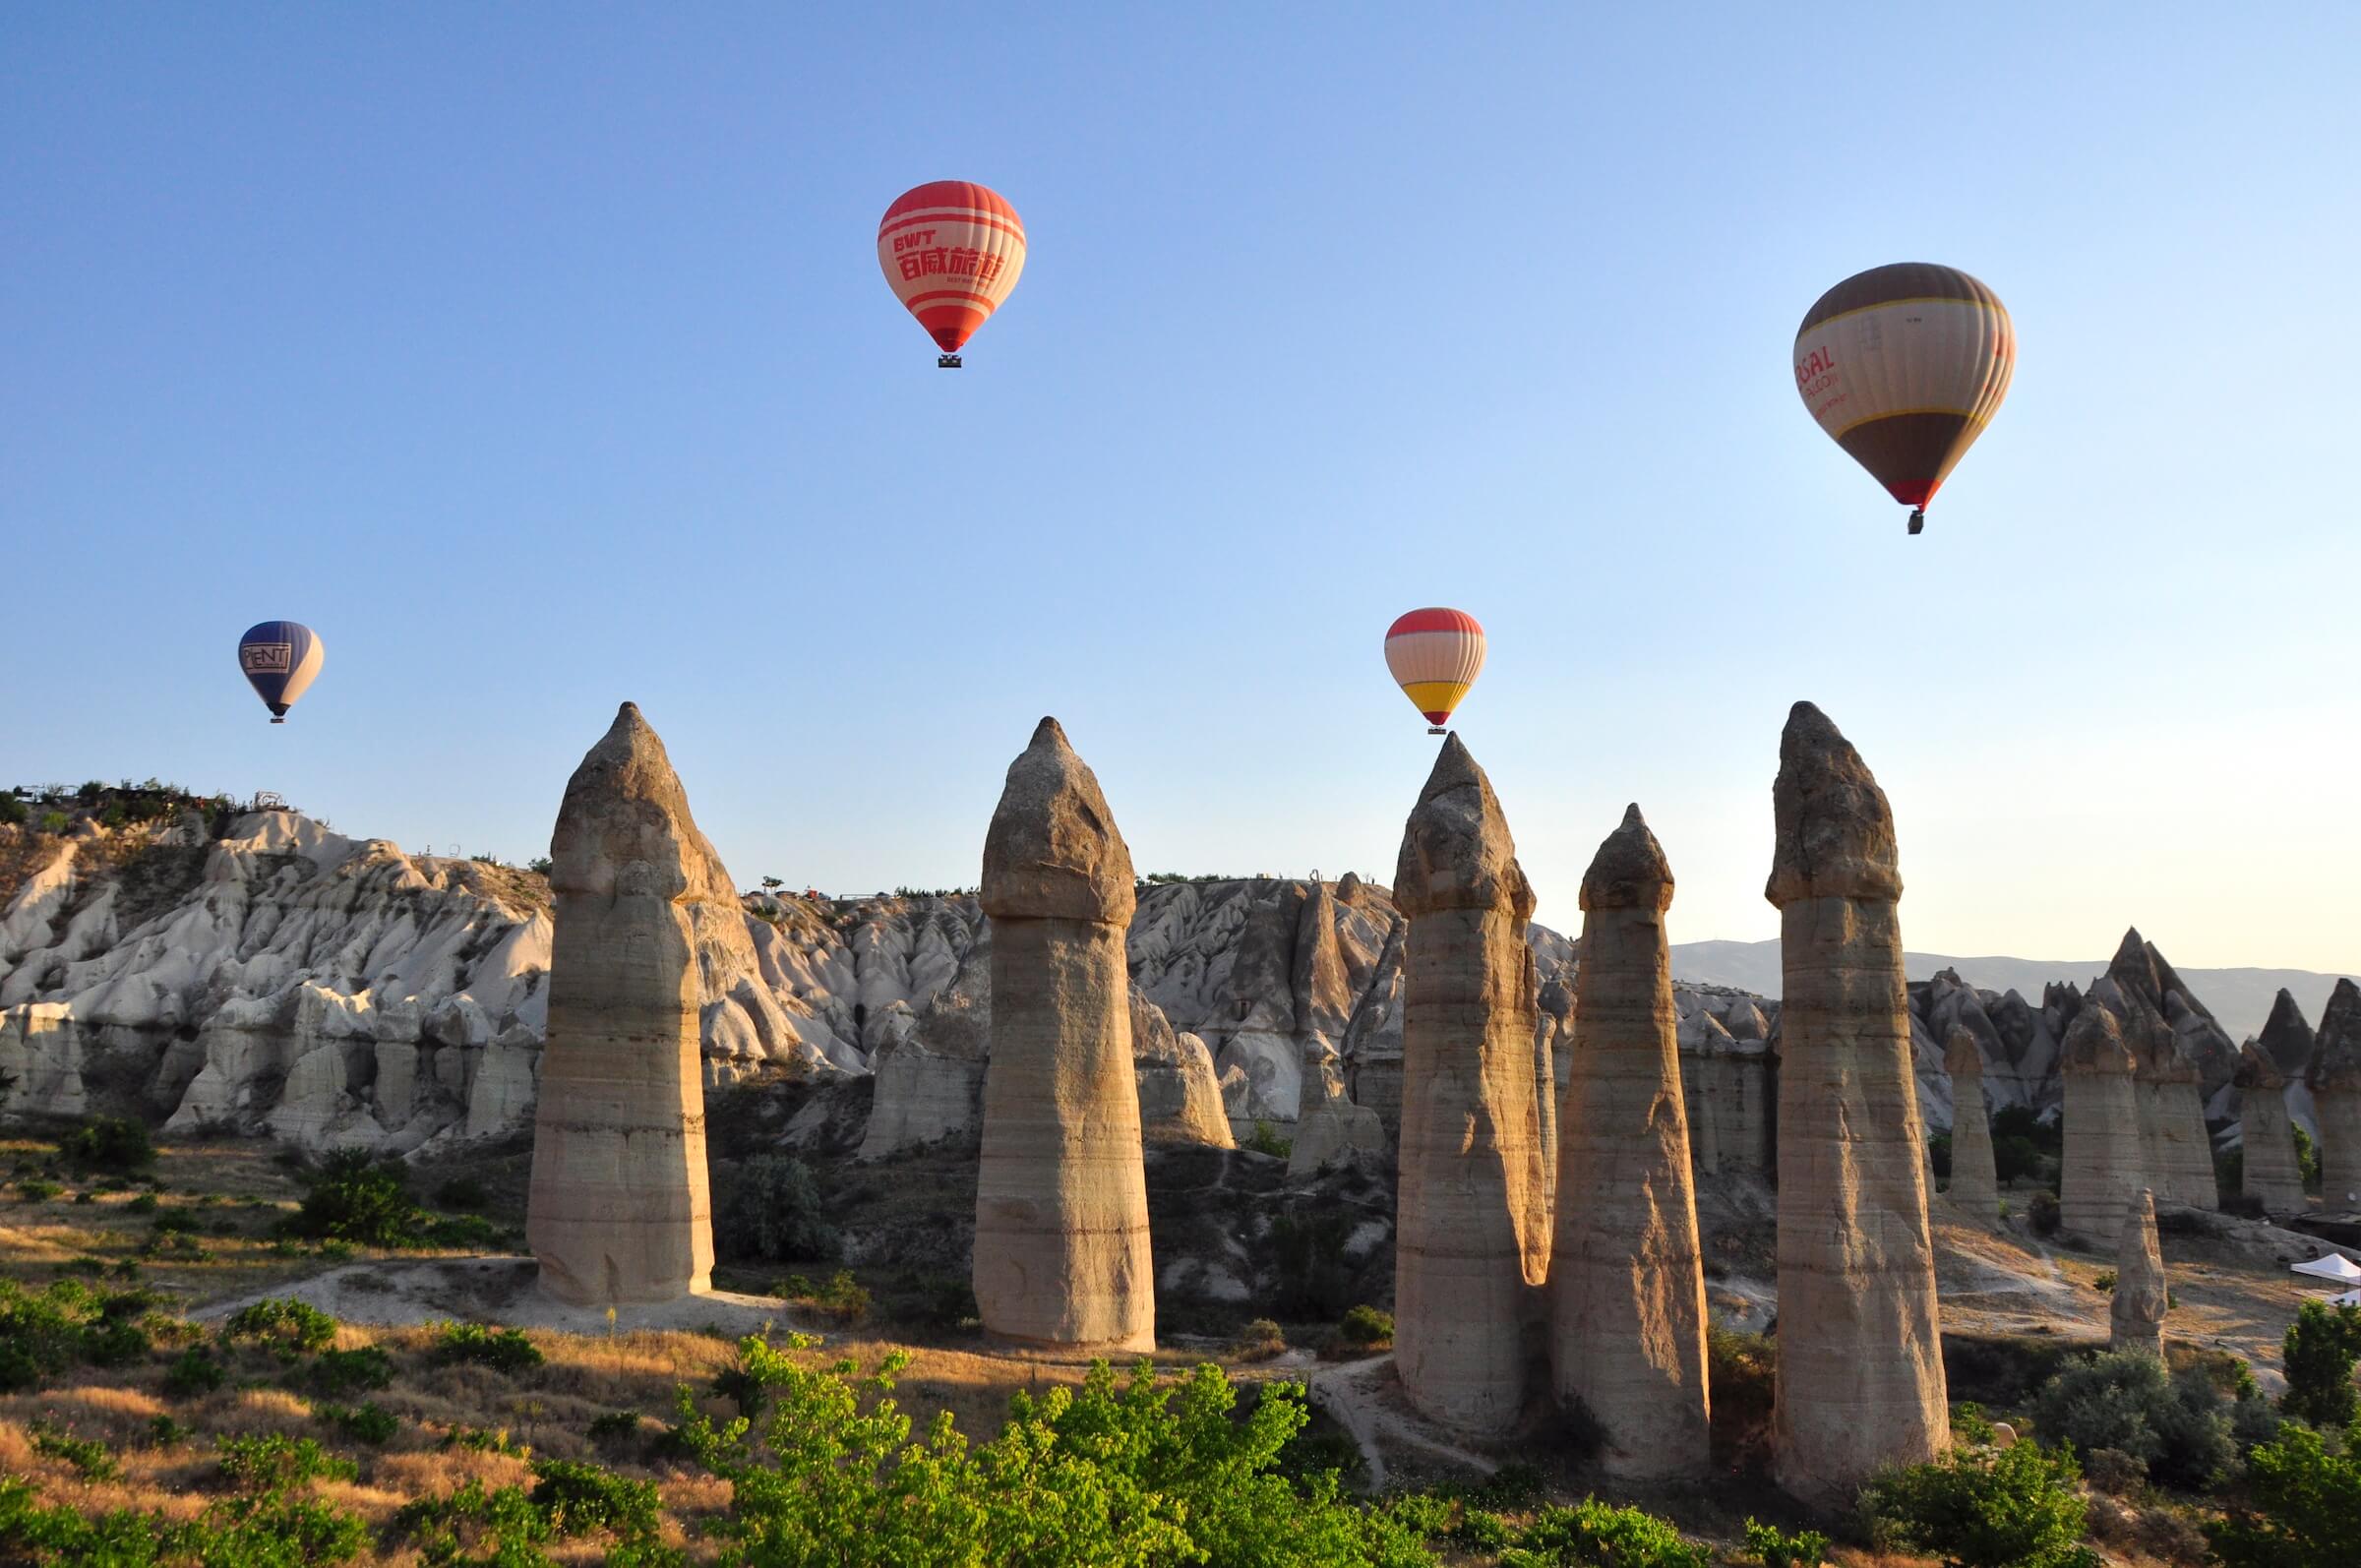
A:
(279, 658)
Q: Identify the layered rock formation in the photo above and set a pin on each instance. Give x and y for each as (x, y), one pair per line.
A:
(2198, 1039)
(1332, 1129)
(1180, 1095)
(619, 1210)
(2176, 1153)
(2287, 1038)
(1474, 1228)
(1860, 1365)
(1626, 1280)
(2101, 1165)
(2334, 1080)
(2269, 1173)
(1728, 1080)
(1975, 1185)
(2136, 1316)
(1062, 1201)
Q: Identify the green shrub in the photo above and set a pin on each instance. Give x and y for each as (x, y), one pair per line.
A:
(194, 1371)
(271, 1462)
(286, 1325)
(506, 1350)
(38, 1190)
(1987, 1508)
(271, 1532)
(474, 1526)
(42, 1334)
(165, 1432)
(2042, 1213)
(1482, 1529)
(1742, 1369)
(1806, 1548)
(1593, 1531)
(842, 1298)
(616, 1425)
(771, 1211)
(115, 1342)
(87, 1455)
(2302, 1509)
(1265, 1139)
(2322, 1345)
(2307, 1158)
(108, 1143)
(2178, 1426)
(336, 1373)
(1260, 1338)
(370, 1423)
(1366, 1325)
(145, 1203)
(577, 1499)
(360, 1200)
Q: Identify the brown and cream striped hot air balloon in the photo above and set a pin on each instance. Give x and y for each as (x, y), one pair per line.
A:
(1904, 366)
(1435, 655)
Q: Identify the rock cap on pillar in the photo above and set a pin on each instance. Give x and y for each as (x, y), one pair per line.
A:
(2337, 1048)
(1052, 852)
(1836, 831)
(1630, 871)
(1456, 849)
(2095, 1043)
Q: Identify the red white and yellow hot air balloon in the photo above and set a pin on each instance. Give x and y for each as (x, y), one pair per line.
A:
(1904, 366)
(951, 250)
(1435, 655)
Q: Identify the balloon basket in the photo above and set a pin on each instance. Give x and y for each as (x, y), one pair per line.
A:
(279, 722)
(1436, 729)
(947, 362)
(1918, 519)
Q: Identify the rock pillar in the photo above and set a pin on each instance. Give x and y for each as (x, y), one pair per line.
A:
(1974, 1185)
(2335, 1079)
(2101, 1166)
(619, 1210)
(2271, 1174)
(1061, 1195)
(1860, 1363)
(2135, 1317)
(1626, 1280)
(1473, 1210)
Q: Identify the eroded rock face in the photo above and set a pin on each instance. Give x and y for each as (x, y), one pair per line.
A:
(2199, 1042)
(2101, 1165)
(1180, 1094)
(1627, 1279)
(1974, 1185)
(1474, 1228)
(619, 1210)
(1860, 1377)
(2136, 1316)
(2176, 1153)
(1332, 1127)
(2269, 1173)
(2334, 1078)
(1061, 1202)
(2287, 1037)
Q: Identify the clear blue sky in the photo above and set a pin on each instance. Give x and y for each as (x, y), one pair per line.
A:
(538, 357)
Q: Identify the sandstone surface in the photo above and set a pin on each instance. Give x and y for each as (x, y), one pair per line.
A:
(1332, 1127)
(620, 1210)
(1860, 1378)
(2334, 1080)
(1061, 1255)
(2269, 1174)
(2103, 1158)
(2136, 1315)
(1626, 1277)
(1472, 1236)
(1975, 1185)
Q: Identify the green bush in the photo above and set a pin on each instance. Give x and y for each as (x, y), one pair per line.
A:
(272, 1462)
(145, 1203)
(1261, 1338)
(370, 1423)
(38, 1191)
(43, 1334)
(500, 1528)
(1806, 1548)
(616, 1425)
(336, 1373)
(87, 1456)
(238, 1532)
(577, 1499)
(771, 1211)
(1593, 1531)
(504, 1350)
(1366, 1325)
(1742, 1369)
(1987, 1508)
(286, 1325)
(2303, 1506)
(1265, 1139)
(360, 1200)
(194, 1371)
(2178, 1426)
(842, 1298)
(108, 1143)
(2307, 1158)
(2042, 1213)
(2321, 1348)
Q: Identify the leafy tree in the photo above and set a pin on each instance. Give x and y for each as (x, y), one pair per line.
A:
(108, 1143)
(2322, 1345)
(1593, 1531)
(2304, 1506)
(360, 1199)
(1988, 1508)
(773, 1211)
(2178, 1426)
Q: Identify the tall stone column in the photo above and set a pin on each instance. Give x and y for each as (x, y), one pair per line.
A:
(1062, 1194)
(2335, 1079)
(1472, 1225)
(1627, 1279)
(1860, 1361)
(2136, 1315)
(2269, 1173)
(2103, 1162)
(1975, 1183)
(2177, 1152)
(619, 1210)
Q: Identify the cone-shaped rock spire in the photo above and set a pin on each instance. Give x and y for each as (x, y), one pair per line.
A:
(1627, 1282)
(619, 1210)
(2335, 1079)
(2287, 1037)
(2269, 1174)
(2102, 1164)
(1975, 1183)
(1062, 1199)
(2136, 1314)
(1473, 1211)
(1861, 1374)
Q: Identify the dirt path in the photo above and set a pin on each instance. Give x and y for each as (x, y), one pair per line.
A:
(1355, 1395)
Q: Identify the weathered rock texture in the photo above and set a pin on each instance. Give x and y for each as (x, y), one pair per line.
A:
(1974, 1187)
(1860, 1365)
(1626, 1280)
(2135, 1317)
(1332, 1129)
(1061, 1200)
(2334, 1078)
(1180, 1095)
(1474, 1229)
(2269, 1174)
(2199, 1039)
(2102, 1164)
(2177, 1154)
(619, 1210)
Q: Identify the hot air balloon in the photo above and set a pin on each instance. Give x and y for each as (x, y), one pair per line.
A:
(279, 658)
(1435, 655)
(951, 252)
(1904, 366)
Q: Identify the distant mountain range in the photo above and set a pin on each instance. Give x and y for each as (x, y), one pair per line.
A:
(2240, 999)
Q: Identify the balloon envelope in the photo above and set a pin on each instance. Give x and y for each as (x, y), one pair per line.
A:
(1904, 366)
(279, 658)
(1435, 655)
(951, 250)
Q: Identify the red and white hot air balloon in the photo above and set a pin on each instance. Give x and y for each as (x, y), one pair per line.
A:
(952, 251)
(1435, 655)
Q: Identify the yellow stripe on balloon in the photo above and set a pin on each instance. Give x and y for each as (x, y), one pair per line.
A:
(1436, 697)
